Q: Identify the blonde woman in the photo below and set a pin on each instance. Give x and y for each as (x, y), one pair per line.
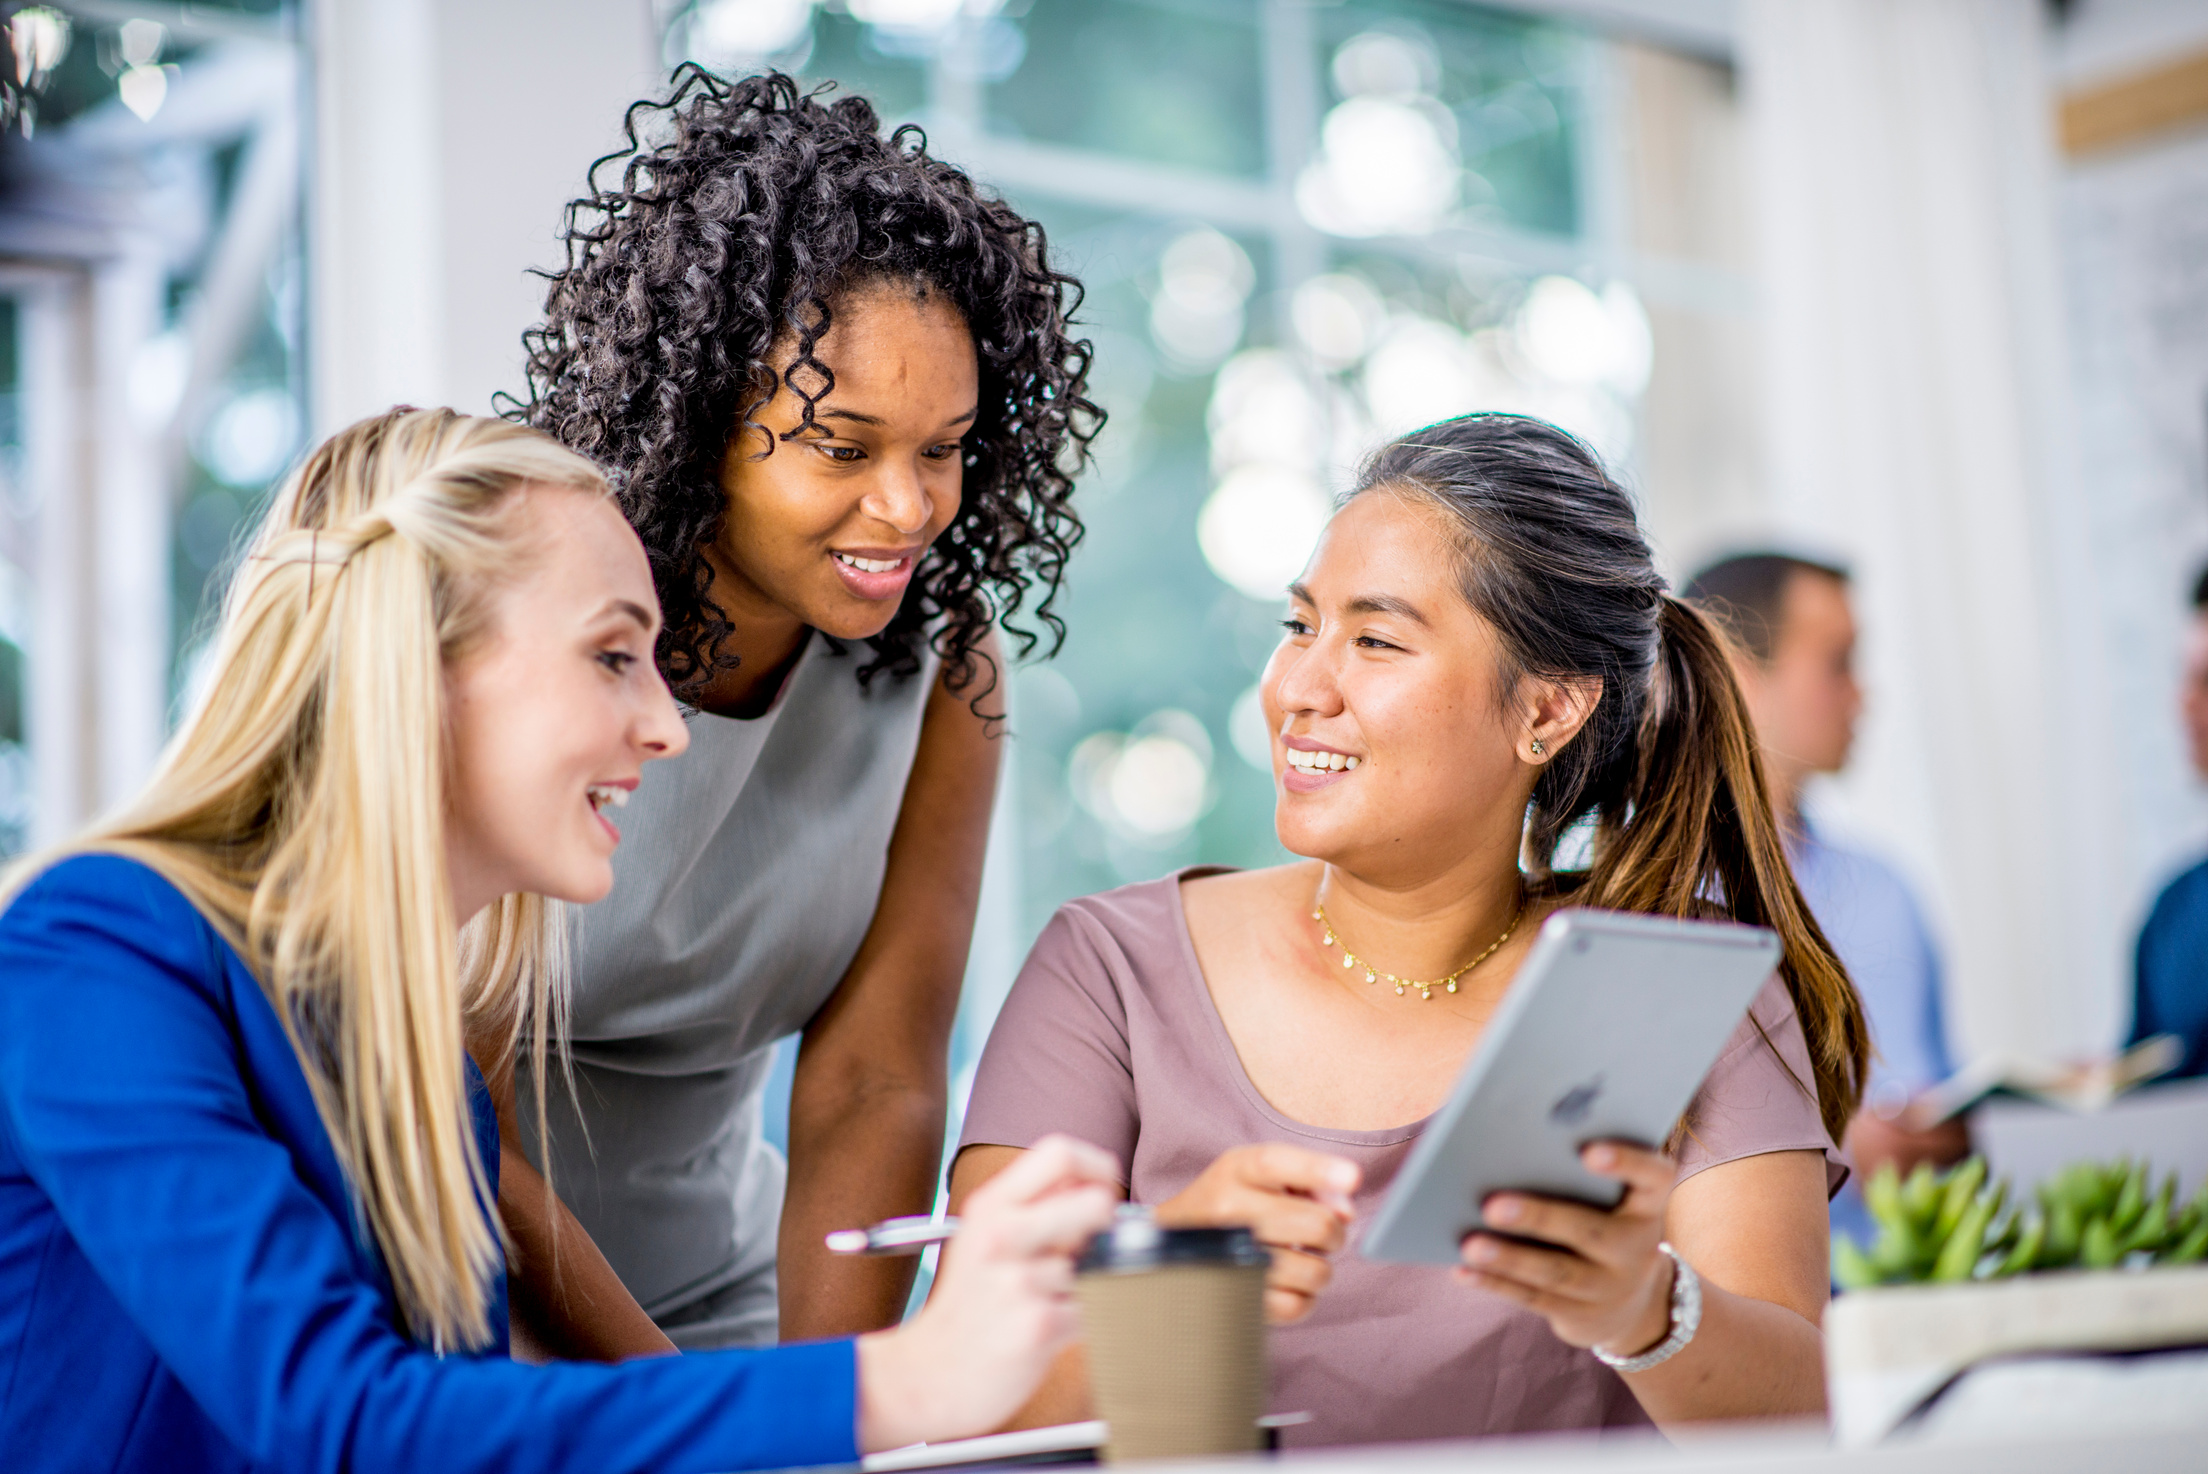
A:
(246, 1164)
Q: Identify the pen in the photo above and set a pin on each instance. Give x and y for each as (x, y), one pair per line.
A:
(893, 1236)
(911, 1235)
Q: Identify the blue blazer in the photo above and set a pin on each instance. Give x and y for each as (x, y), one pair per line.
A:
(181, 1284)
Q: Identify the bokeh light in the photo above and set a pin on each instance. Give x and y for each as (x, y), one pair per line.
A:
(1204, 280)
(1575, 337)
(736, 35)
(1423, 370)
(143, 90)
(1264, 408)
(140, 41)
(1386, 64)
(1388, 161)
(38, 38)
(158, 373)
(1269, 442)
(1248, 730)
(1337, 316)
(251, 438)
(1258, 526)
(1149, 785)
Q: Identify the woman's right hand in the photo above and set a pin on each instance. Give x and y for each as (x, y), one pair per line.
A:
(1002, 1307)
(1295, 1200)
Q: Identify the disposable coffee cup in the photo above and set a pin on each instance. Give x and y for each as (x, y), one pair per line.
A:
(1175, 1324)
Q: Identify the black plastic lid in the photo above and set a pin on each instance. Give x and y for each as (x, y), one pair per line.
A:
(1138, 1243)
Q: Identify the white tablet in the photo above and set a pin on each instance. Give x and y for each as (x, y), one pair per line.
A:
(1605, 1034)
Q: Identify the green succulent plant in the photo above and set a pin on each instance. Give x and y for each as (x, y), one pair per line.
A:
(1954, 1226)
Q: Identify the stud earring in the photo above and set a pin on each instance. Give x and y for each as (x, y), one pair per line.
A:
(1539, 751)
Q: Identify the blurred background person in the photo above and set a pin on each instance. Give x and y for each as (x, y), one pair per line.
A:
(1794, 624)
(2170, 988)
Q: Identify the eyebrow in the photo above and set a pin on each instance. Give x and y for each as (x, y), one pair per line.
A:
(1386, 604)
(860, 417)
(633, 610)
(1367, 604)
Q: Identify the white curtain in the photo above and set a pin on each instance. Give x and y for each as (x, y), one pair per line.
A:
(1902, 165)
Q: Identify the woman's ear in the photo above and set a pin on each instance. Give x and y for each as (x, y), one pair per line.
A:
(1554, 711)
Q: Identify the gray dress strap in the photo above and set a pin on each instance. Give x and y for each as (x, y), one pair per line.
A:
(749, 871)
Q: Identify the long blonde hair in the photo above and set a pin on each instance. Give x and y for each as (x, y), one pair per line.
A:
(301, 808)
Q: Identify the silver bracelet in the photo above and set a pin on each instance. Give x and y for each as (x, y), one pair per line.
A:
(1686, 1319)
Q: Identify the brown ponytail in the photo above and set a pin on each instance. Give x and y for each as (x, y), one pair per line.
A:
(1698, 833)
(1666, 768)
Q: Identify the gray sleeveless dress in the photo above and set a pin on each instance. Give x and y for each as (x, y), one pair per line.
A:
(748, 872)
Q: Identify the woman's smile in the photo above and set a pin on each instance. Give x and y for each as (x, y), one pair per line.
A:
(1311, 766)
(876, 573)
(604, 796)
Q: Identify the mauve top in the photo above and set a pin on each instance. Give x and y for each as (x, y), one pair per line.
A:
(1110, 1035)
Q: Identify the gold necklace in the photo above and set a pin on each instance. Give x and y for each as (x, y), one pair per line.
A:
(1425, 989)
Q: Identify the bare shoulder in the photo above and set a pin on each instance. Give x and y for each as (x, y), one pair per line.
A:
(959, 728)
(979, 690)
(1238, 897)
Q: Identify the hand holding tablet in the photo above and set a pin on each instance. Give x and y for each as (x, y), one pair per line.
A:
(1544, 1170)
(1605, 1034)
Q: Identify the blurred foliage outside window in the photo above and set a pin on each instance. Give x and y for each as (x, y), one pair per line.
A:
(92, 119)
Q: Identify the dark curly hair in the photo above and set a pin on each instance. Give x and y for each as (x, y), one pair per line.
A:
(742, 212)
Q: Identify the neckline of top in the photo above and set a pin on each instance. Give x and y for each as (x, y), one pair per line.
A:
(1231, 1058)
(694, 714)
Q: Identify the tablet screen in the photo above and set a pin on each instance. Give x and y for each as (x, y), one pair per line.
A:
(1605, 1034)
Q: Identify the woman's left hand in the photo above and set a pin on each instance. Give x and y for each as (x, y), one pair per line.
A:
(1605, 1283)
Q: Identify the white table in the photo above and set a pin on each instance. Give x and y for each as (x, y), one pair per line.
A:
(1776, 1450)
(1799, 1452)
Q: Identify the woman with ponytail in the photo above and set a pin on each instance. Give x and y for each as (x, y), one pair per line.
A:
(1485, 707)
(247, 1166)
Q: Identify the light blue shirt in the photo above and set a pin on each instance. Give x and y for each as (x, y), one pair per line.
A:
(1873, 922)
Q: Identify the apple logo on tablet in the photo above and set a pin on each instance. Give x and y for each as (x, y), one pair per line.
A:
(1572, 1106)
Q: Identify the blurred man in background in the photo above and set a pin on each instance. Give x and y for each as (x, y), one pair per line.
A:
(2171, 991)
(1792, 619)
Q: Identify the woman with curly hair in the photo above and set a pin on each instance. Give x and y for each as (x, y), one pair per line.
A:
(835, 388)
